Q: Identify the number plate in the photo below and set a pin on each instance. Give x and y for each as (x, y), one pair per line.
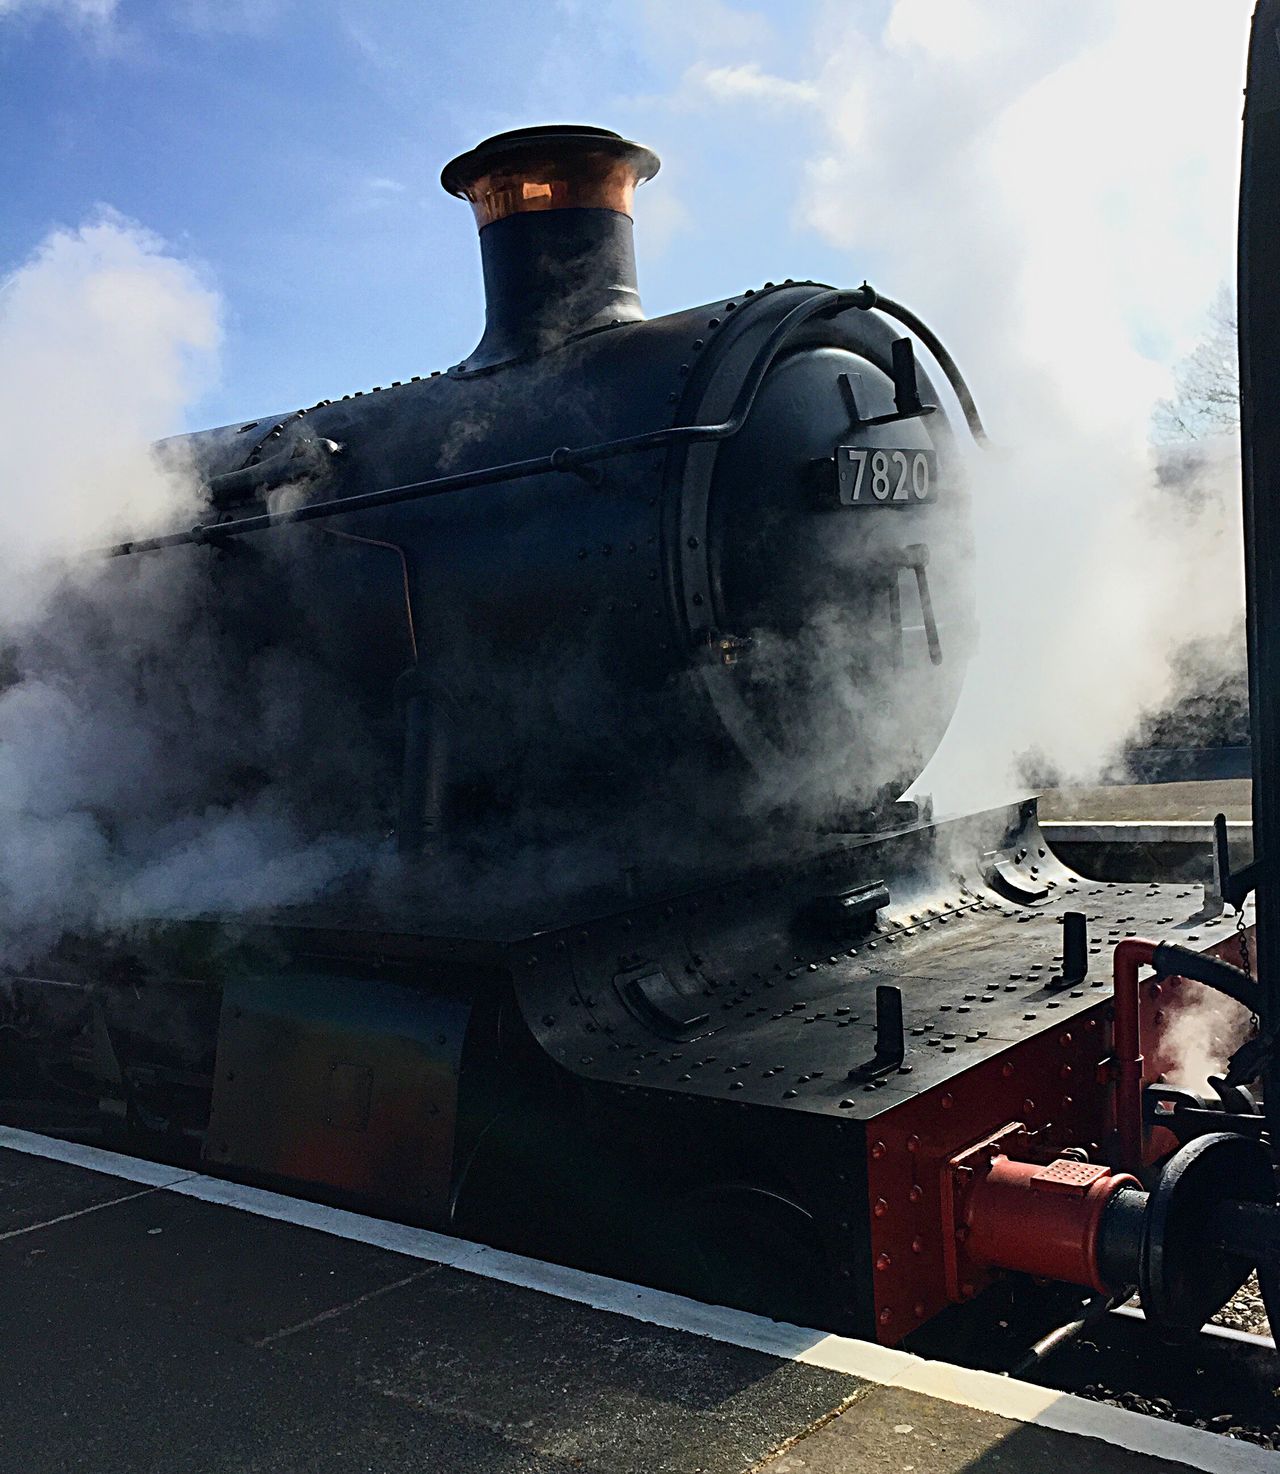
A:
(872, 476)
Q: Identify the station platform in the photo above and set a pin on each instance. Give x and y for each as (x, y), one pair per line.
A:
(153, 1321)
(1147, 831)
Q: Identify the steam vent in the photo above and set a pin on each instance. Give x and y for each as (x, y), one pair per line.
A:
(553, 206)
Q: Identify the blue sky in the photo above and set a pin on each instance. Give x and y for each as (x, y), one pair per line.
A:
(294, 151)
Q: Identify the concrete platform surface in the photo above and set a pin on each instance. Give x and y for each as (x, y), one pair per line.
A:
(154, 1321)
(1150, 802)
(1147, 831)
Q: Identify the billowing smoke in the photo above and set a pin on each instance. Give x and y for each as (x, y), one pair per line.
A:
(104, 339)
(130, 746)
(1052, 187)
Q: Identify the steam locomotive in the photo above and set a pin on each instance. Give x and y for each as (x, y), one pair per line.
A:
(643, 628)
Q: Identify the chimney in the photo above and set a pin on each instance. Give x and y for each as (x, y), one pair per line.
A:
(553, 206)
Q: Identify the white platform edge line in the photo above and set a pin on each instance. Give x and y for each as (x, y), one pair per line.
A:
(92, 1158)
(986, 1392)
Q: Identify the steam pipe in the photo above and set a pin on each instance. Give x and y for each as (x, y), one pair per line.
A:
(1098, 1308)
(1171, 960)
(377, 542)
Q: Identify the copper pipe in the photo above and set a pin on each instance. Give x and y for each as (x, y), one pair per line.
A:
(374, 542)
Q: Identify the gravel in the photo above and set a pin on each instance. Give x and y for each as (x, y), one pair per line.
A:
(1226, 1386)
(1227, 1423)
(1245, 1310)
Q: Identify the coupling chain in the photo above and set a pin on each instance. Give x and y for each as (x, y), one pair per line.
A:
(1242, 938)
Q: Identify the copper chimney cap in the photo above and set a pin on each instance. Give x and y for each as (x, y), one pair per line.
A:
(554, 167)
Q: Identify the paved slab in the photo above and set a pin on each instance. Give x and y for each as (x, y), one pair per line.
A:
(892, 1431)
(151, 1332)
(148, 1328)
(34, 1191)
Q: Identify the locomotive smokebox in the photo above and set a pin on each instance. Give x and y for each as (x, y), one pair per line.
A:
(553, 205)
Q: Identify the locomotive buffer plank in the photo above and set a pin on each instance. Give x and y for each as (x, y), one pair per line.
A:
(156, 1320)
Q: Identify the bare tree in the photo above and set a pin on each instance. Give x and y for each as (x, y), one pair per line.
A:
(1207, 709)
(1206, 399)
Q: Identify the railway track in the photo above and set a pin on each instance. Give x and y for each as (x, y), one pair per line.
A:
(1223, 1380)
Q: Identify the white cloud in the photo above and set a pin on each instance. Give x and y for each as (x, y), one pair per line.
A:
(962, 31)
(229, 17)
(78, 11)
(712, 26)
(748, 83)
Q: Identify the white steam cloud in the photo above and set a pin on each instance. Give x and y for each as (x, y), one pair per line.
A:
(119, 721)
(1052, 186)
(1083, 159)
(104, 339)
(1200, 1037)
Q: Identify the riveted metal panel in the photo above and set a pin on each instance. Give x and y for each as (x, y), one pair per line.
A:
(341, 1083)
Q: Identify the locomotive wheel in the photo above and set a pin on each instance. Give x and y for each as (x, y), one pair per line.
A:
(536, 1184)
(756, 1250)
(1182, 1280)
